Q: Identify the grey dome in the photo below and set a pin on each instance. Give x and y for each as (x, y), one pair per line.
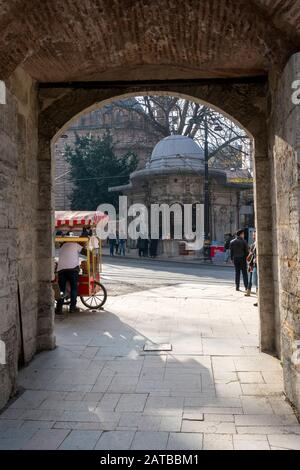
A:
(176, 151)
(173, 155)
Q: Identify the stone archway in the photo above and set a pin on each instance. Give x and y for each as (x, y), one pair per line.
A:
(247, 104)
(244, 102)
(209, 39)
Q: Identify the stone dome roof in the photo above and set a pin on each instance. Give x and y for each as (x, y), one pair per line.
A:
(174, 155)
(176, 151)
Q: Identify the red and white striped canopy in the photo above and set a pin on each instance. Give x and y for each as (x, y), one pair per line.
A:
(78, 218)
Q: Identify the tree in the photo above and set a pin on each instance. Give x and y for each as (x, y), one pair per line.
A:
(167, 115)
(95, 167)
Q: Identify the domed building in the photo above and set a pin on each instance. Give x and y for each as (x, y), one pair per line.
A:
(175, 174)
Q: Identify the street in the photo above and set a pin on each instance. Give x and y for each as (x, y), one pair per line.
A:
(123, 275)
(208, 387)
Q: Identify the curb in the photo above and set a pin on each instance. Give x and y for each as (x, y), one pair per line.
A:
(170, 260)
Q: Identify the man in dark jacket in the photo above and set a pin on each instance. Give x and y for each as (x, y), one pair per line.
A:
(239, 251)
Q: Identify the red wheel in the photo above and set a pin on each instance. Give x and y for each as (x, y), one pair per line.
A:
(97, 299)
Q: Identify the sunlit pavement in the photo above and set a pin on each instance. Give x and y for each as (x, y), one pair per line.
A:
(99, 389)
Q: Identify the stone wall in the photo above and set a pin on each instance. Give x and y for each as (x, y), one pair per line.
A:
(18, 221)
(285, 148)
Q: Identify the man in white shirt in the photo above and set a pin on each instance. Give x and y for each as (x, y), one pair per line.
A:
(68, 270)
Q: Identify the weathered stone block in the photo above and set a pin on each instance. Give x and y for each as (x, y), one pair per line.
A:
(46, 342)
(8, 371)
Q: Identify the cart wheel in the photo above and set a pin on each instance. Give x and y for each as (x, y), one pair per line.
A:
(96, 300)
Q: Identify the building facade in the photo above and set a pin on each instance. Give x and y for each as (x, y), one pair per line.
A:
(175, 174)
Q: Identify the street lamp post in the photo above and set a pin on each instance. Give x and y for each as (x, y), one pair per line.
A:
(207, 241)
(207, 234)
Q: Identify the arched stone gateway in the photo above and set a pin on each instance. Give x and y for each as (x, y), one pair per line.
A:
(240, 57)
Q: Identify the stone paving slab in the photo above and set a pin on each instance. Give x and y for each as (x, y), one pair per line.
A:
(147, 440)
(266, 420)
(132, 402)
(268, 430)
(284, 441)
(36, 425)
(13, 443)
(256, 405)
(185, 441)
(81, 440)
(208, 427)
(78, 425)
(115, 440)
(217, 442)
(46, 439)
(6, 424)
(250, 442)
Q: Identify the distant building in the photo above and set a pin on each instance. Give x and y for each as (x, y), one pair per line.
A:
(130, 132)
(175, 174)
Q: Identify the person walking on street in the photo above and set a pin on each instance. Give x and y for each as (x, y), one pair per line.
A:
(239, 251)
(252, 266)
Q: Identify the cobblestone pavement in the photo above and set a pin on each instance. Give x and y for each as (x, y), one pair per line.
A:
(100, 390)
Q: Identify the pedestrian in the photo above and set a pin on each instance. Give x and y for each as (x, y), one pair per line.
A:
(255, 267)
(112, 243)
(252, 266)
(228, 237)
(140, 246)
(85, 232)
(122, 244)
(255, 277)
(117, 243)
(153, 247)
(239, 251)
(68, 271)
(146, 247)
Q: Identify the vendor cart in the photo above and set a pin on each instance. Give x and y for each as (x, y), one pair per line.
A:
(78, 227)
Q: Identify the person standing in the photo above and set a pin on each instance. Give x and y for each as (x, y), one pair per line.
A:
(122, 244)
(146, 248)
(228, 238)
(252, 266)
(153, 247)
(255, 267)
(85, 232)
(239, 251)
(140, 246)
(68, 270)
(117, 244)
(112, 243)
